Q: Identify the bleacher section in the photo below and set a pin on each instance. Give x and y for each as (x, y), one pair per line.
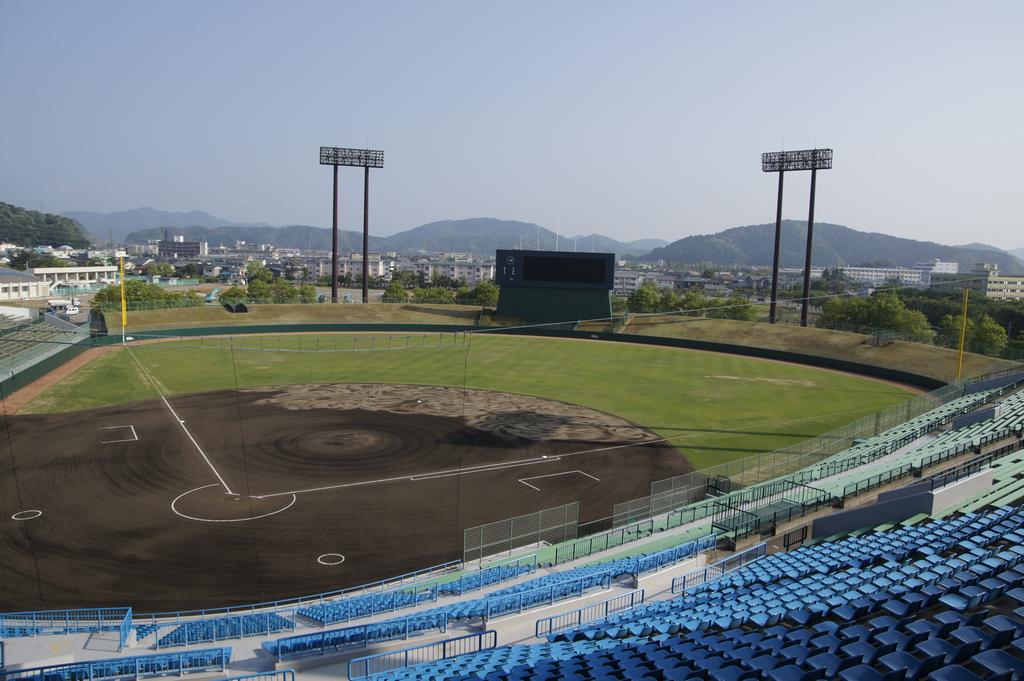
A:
(349, 609)
(25, 344)
(221, 628)
(514, 599)
(932, 600)
(488, 576)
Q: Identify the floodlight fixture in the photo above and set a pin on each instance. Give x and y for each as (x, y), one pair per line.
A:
(780, 162)
(804, 159)
(358, 158)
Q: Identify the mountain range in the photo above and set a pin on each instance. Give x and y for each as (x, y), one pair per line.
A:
(119, 224)
(748, 245)
(474, 235)
(833, 245)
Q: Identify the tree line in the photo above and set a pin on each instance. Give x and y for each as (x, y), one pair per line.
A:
(649, 298)
(897, 313)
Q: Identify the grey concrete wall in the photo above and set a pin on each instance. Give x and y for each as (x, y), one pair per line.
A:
(891, 511)
(902, 503)
(962, 489)
(905, 491)
(974, 417)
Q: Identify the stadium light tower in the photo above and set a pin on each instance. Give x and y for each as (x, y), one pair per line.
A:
(780, 162)
(359, 158)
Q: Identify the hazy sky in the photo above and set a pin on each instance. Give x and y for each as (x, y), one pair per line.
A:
(629, 119)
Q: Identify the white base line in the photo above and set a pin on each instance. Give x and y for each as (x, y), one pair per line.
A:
(466, 471)
(483, 468)
(181, 422)
(133, 438)
(199, 449)
(551, 475)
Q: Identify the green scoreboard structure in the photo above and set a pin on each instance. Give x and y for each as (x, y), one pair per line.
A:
(543, 287)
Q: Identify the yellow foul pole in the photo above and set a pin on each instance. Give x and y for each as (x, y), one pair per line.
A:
(124, 308)
(963, 335)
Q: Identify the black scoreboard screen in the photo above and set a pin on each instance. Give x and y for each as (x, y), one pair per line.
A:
(554, 269)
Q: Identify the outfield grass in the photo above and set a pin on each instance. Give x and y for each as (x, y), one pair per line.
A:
(714, 407)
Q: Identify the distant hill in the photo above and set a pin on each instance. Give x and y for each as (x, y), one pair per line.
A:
(292, 236)
(833, 245)
(485, 235)
(1018, 252)
(123, 222)
(32, 228)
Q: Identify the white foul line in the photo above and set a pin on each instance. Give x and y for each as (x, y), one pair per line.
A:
(551, 475)
(181, 422)
(199, 449)
(133, 438)
(483, 468)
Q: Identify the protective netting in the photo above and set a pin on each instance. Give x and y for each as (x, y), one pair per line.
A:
(210, 470)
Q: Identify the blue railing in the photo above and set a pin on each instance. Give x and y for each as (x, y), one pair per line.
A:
(595, 612)
(363, 667)
(546, 595)
(282, 675)
(139, 667)
(376, 603)
(330, 640)
(83, 620)
(220, 629)
(675, 554)
(491, 574)
(715, 570)
(299, 601)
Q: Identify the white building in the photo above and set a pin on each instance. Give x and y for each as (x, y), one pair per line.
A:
(904, 276)
(76, 277)
(17, 285)
(936, 266)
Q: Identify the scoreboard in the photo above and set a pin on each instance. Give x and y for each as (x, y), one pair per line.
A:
(555, 269)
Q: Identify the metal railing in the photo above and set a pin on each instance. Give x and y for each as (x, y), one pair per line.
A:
(331, 640)
(522, 601)
(595, 612)
(379, 586)
(83, 620)
(363, 667)
(675, 554)
(711, 572)
(282, 675)
(138, 667)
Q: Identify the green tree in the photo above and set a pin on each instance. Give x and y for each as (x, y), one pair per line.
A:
(645, 299)
(257, 271)
(158, 269)
(307, 294)
(395, 292)
(983, 334)
(486, 293)
(433, 295)
(668, 300)
(142, 295)
(989, 338)
(234, 295)
(880, 312)
(259, 291)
